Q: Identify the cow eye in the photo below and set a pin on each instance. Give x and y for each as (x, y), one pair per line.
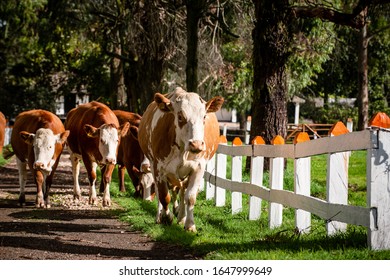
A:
(180, 118)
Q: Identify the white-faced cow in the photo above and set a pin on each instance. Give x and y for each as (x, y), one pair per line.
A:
(2, 131)
(94, 138)
(130, 155)
(179, 133)
(37, 139)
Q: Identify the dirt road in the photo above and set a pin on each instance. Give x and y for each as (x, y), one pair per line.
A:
(69, 231)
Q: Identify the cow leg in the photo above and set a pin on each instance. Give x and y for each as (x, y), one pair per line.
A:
(49, 181)
(166, 217)
(91, 170)
(132, 171)
(22, 168)
(41, 184)
(75, 160)
(181, 216)
(121, 178)
(106, 178)
(195, 180)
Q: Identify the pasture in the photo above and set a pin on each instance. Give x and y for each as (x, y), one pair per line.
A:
(222, 235)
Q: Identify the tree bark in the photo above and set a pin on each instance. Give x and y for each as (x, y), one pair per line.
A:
(363, 77)
(117, 81)
(194, 12)
(144, 80)
(271, 37)
(270, 53)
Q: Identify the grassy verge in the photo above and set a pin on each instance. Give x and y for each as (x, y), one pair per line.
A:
(222, 235)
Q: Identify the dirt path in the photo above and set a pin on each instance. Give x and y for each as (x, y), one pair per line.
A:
(68, 231)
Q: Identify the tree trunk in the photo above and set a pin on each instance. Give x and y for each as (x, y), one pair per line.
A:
(194, 12)
(144, 80)
(363, 77)
(271, 40)
(118, 89)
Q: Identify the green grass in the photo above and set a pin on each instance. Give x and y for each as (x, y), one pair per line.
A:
(222, 235)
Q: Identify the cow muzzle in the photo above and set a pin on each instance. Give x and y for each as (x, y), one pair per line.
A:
(196, 146)
(41, 166)
(110, 161)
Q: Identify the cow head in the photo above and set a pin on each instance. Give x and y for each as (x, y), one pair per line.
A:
(190, 112)
(44, 144)
(109, 138)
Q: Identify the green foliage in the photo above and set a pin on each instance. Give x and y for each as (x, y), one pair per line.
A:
(313, 44)
(329, 114)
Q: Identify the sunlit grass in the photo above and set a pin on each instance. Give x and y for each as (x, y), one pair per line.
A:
(222, 235)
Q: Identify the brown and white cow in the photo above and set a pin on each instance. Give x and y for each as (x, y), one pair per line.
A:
(94, 138)
(37, 139)
(131, 157)
(3, 122)
(179, 133)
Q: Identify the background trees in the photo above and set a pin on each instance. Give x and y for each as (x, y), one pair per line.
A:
(257, 54)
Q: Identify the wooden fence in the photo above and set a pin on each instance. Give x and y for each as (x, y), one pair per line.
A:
(375, 216)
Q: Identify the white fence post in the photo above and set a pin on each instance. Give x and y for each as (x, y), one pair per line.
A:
(302, 184)
(378, 190)
(210, 188)
(276, 183)
(220, 193)
(337, 179)
(237, 177)
(257, 171)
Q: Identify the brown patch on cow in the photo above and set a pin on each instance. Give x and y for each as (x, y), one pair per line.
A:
(181, 119)
(192, 200)
(165, 126)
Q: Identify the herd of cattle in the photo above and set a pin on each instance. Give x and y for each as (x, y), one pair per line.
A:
(165, 149)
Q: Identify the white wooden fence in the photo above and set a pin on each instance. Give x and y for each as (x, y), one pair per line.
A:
(375, 216)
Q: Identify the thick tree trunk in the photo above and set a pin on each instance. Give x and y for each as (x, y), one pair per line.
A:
(194, 9)
(118, 89)
(271, 39)
(271, 43)
(363, 77)
(143, 81)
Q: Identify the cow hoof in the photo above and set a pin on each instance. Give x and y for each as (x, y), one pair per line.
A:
(77, 196)
(22, 200)
(181, 221)
(166, 219)
(106, 203)
(191, 228)
(93, 200)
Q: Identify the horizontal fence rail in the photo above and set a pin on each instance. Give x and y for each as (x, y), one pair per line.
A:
(375, 216)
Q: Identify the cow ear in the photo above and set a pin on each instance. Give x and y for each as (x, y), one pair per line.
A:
(163, 103)
(123, 129)
(61, 138)
(91, 131)
(27, 137)
(214, 104)
(134, 132)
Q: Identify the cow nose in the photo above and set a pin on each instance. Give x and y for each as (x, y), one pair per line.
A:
(110, 161)
(196, 146)
(38, 165)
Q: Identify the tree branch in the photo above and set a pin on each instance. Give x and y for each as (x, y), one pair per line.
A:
(354, 19)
